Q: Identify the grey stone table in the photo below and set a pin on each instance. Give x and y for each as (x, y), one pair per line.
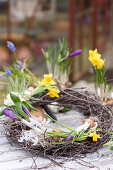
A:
(12, 157)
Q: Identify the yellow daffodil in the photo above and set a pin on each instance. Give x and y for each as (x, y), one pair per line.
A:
(53, 92)
(48, 79)
(95, 136)
(95, 59)
(93, 53)
(100, 63)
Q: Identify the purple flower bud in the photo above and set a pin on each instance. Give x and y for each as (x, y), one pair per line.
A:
(10, 113)
(68, 138)
(11, 46)
(77, 52)
(25, 110)
(8, 72)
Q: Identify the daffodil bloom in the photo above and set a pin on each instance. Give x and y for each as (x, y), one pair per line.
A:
(53, 92)
(100, 63)
(93, 53)
(95, 59)
(48, 79)
(95, 136)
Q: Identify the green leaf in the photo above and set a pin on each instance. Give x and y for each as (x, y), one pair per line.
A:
(39, 90)
(57, 134)
(16, 83)
(60, 123)
(15, 98)
(18, 109)
(108, 143)
(2, 113)
(11, 83)
(65, 109)
(27, 104)
(22, 86)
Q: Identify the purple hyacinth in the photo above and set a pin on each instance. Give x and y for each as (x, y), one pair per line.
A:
(8, 72)
(19, 66)
(10, 113)
(11, 46)
(77, 52)
(68, 138)
(25, 110)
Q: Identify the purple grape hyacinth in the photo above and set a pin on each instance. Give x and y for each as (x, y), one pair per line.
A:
(11, 46)
(10, 113)
(68, 138)
(19, 66)
(74, 53)
(8, 72)
(25, 110)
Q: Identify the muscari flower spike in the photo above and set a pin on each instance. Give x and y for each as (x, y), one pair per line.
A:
(11, 46)
(74, 53)
(19, 66)
(8, 72)
(10, 113)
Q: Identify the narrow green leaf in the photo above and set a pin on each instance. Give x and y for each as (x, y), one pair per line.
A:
(60, 123)
(27, 104)
(22, 86)
(16, 83)
(108, 143)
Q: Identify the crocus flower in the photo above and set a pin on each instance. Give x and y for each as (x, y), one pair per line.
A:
(25, 110)
(8, 72)
(68, 138)
(10, 113)
(77, 52)
(19, 66)
(11, 46)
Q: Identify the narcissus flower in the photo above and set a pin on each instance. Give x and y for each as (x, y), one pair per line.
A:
(53, 92)
(94, 136)
(48, 79)
(95, 59)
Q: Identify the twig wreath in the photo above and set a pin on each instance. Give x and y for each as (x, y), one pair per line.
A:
(26, 93)
(88, 104)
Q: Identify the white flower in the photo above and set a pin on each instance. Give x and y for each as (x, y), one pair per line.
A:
(8, 101)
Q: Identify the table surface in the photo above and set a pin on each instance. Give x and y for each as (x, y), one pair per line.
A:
(13, 157)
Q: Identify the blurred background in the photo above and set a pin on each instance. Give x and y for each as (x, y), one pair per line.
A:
(36, 24)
